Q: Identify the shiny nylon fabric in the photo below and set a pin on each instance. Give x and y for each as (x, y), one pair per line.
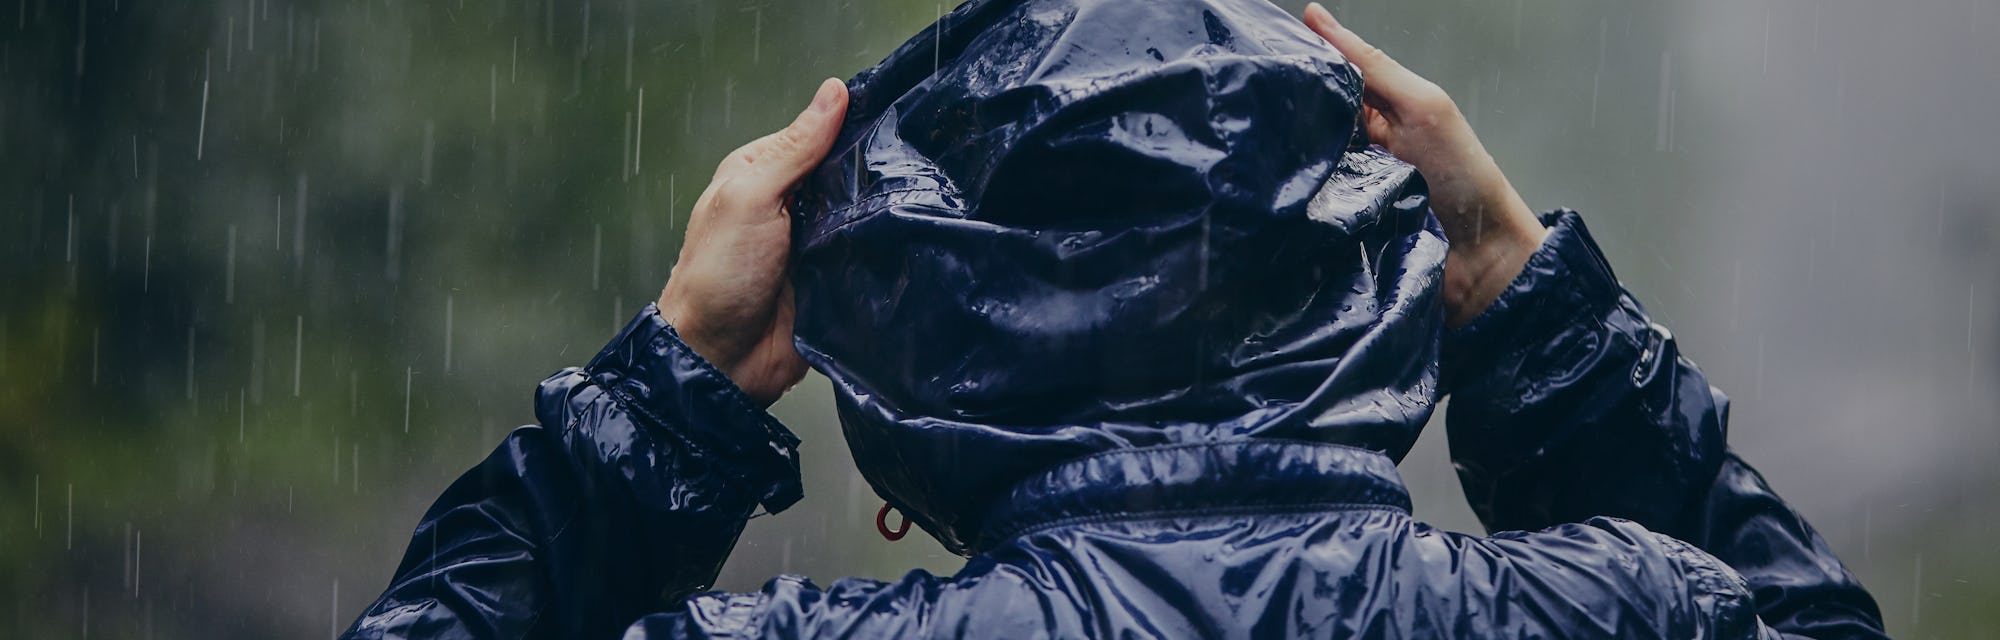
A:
(1136, 440)
(1253, 539)
(1010, 259)
(628, 495)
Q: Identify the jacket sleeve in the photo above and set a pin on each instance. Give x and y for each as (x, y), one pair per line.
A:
(631, 491)
(1568, 402)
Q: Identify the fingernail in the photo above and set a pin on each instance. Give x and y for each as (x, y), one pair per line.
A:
(823, 101)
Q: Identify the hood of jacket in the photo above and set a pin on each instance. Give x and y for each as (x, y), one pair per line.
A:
(1052, 228)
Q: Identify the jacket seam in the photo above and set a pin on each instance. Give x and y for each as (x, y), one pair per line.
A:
(735, 469)
(1208, 445)
(1022, 529)
(1572, 289)
(745, 465)
(1704, 572)
(739, 401)
(1198, 513)
(1532, 339)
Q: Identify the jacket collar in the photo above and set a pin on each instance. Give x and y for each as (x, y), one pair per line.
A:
(1196, 478)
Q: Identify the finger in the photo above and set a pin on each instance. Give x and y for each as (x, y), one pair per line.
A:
(1379, 130)
(1387, 81)
(769, 166)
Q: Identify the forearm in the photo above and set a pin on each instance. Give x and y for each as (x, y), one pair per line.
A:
(1568, 402)
(1493, 234)
(634, 486)
(1800, 587)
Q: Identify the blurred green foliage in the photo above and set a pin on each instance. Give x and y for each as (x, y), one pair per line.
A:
(279, 270)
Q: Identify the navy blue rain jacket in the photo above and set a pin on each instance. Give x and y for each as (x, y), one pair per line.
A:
(1118, 302)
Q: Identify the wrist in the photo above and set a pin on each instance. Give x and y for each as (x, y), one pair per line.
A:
(696, 336)
(1480, 266)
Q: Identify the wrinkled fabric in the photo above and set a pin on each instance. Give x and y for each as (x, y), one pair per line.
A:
(1117, 302)
(1569, 402)
(1057, 227)
(576, 526)
(1340, 561)
(629, 494)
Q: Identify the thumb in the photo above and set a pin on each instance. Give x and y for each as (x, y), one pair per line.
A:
(772, 164)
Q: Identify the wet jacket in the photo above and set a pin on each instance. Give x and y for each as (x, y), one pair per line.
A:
(1118, 302)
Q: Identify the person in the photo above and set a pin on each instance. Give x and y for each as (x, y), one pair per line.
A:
(1136, 305)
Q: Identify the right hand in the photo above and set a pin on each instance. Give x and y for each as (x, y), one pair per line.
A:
(1491, 229)
(730, 297)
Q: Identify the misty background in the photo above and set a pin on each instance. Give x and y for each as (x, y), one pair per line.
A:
(274, 272)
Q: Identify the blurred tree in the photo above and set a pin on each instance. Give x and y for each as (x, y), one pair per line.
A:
(276, 271)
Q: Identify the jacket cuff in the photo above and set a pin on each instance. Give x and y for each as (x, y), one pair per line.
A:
(652, 373)
(1567, 281)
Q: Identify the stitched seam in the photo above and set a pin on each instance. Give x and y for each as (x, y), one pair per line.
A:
(671, 337)
(740, 400)
(1572, 297)
(740, 473)
(1704, 575)
(1208, 513)
(1523, 338)
(733, 394)
(1208, 445)
(1612, 336)
(1184, 446)
(1570, 294)
(569, 519)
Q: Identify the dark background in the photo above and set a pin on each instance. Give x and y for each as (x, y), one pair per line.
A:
(276, 271)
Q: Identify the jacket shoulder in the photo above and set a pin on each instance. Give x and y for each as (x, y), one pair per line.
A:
(1617, 575)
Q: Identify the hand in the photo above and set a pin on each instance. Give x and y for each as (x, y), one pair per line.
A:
(730, 295)
(1492, 231)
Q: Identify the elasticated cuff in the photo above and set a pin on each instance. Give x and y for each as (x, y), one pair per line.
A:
(650, 371)
(1565, 282)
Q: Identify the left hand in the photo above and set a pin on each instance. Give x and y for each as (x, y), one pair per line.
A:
(1491, 229)
(730, 295)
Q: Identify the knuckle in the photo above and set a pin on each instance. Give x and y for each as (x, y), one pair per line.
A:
(745, 156)
(787, 142)
(1371, 55)
(734, 163)
(727, 195)
(743, 195)
(777, 147)
(1436, 105)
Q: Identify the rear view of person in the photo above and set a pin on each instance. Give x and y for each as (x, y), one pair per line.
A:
(1136, 304)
